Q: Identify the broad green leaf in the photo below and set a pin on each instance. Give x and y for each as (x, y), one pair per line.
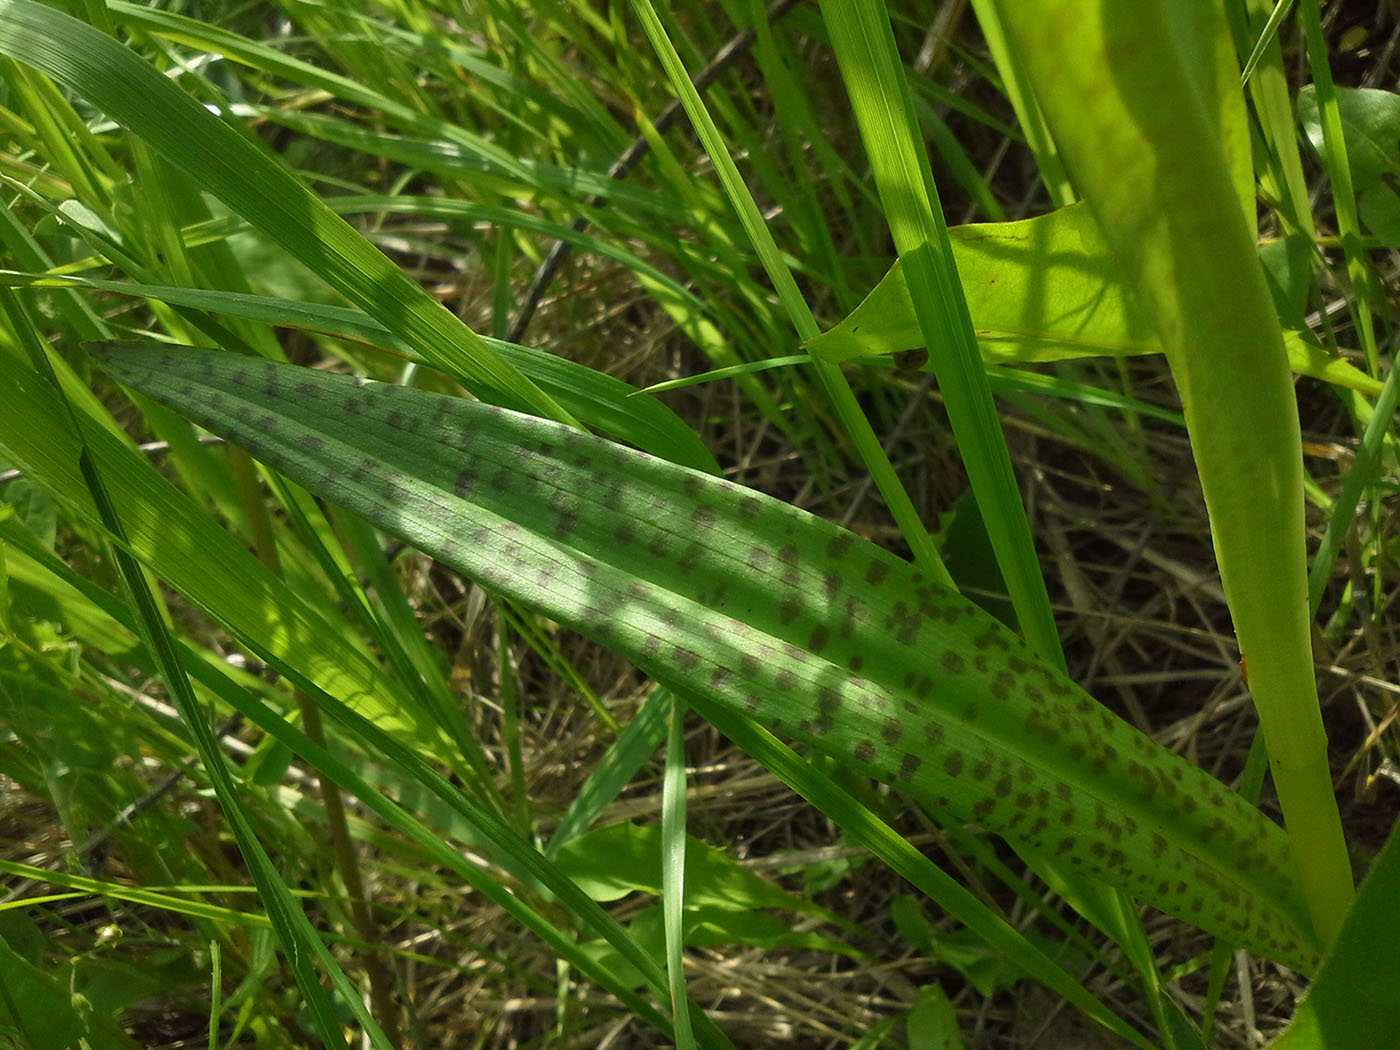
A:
(757, 608)
(1355, 1002)
(1042, 289)
(1039, 289)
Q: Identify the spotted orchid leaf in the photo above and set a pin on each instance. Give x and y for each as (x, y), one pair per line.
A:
(721, 592)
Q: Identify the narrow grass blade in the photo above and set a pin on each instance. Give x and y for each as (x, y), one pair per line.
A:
(834, 384)
(673, 871)
(737, 598)
(596, 398)
(256, 186)
(486, 830)
(875, 81)
(299, 939)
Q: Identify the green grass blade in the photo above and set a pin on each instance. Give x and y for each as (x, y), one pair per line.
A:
(673, 871)
(299, 939)
(189, 551)
(595, 398)
(874, 77)
(1335, 159)
(1355, 1002)
(727, 594)
(833, 382)
(884, 842)
(486, 830)
(259, 188)
(637, 742)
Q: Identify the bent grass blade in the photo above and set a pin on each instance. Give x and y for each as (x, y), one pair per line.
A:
(720, 591)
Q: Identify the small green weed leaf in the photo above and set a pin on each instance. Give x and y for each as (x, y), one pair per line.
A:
(42, 1012)
(713, 926)
(1371, 123)
(112, 985)
(933, 1023)
(616, 860)
(985, 968)
(1288, 268)
(755, 607)
(1355, 1002)
(34, 507)
(1042, 289)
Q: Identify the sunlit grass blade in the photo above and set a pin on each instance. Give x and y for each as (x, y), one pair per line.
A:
(673, 886)
(257, 187)
(947, 892)
(874, 78)
(834, 384)
(594, 397)
(636, 743)
(299, 939)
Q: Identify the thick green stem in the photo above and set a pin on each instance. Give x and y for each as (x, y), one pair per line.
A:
(1132, 94)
